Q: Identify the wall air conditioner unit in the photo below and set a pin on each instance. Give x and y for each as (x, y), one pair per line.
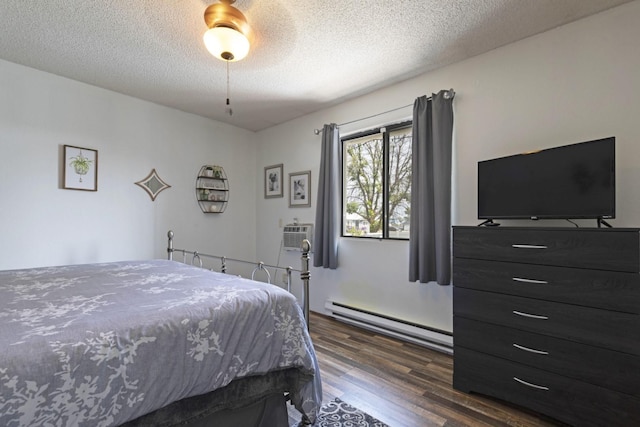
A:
(294, 234)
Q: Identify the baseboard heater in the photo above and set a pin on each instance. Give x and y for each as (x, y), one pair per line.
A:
(428, 337)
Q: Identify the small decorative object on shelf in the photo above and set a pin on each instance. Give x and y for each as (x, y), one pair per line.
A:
(212, 189)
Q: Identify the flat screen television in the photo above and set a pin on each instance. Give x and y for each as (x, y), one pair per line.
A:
(568, 182)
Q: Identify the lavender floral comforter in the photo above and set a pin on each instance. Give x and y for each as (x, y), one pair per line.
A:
(101, 344)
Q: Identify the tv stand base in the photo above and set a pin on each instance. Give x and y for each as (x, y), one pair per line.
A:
(488, 223)
(602, 222)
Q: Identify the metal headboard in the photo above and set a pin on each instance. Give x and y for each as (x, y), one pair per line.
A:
(196, 259)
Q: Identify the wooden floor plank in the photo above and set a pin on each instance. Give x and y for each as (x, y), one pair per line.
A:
(402, 384)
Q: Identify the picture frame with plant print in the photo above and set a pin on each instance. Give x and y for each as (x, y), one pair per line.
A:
(273, 181)
(80, 169)
(300, 189)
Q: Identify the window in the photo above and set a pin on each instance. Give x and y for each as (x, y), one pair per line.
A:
(377, 183)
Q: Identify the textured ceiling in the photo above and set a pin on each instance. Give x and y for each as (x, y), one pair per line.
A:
(307, 55)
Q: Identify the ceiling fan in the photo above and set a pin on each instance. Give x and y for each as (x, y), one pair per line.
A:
(229, 35)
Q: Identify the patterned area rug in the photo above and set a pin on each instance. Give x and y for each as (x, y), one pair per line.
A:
(338, 413)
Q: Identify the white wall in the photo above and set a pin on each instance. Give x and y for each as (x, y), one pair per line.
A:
(570, 84)
(42, 224)
(574, 83)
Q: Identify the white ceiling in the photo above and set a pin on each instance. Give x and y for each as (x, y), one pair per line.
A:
(307, 54)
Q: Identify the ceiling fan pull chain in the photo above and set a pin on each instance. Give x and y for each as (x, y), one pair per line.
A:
(228, 109)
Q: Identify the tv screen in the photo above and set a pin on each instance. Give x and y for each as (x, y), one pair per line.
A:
(571, 181)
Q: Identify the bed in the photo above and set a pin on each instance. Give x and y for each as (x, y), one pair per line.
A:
(152, 343)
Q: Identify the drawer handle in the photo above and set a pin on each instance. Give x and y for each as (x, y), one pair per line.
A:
(530, 350)
(533, 316)
(538, 387)
(529, 246)
(520, 279)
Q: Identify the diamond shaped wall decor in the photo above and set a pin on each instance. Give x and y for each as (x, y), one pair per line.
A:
(153, 184)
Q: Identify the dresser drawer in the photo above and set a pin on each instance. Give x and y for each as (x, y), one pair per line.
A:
(568, 400)
(602, 328)
(598, 249)
(610, 369)
(592, 288)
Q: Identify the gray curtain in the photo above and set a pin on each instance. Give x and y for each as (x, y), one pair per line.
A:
(429, 235)
(328, 219)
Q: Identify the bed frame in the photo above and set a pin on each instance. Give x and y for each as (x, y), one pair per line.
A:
(266, 412)
(259, 400)
(197, 259)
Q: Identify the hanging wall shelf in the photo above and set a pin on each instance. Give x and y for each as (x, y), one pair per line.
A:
(212, 189)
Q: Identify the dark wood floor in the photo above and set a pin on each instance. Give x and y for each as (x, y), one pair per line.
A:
(401, 384)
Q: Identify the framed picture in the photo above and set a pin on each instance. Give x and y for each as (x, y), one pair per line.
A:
(300, 189)
(80, 168)
(273, 181)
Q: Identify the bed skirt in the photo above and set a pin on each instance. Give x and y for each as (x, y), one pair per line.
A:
(252, 401)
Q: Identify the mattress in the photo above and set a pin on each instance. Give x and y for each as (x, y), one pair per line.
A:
(103, 344)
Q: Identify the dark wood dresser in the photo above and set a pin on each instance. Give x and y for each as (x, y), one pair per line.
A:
(549, 318)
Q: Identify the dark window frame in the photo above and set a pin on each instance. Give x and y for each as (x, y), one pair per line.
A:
(385, 130)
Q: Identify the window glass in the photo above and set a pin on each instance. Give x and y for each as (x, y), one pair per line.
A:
(363, 186)
(399, 182)
(377, 183)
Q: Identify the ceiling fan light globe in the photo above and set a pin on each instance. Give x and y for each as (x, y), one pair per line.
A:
(222, 41)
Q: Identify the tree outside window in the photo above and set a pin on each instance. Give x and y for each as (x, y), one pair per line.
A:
(377, 183)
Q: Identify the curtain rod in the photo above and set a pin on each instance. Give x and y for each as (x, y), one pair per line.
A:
(450, 93)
